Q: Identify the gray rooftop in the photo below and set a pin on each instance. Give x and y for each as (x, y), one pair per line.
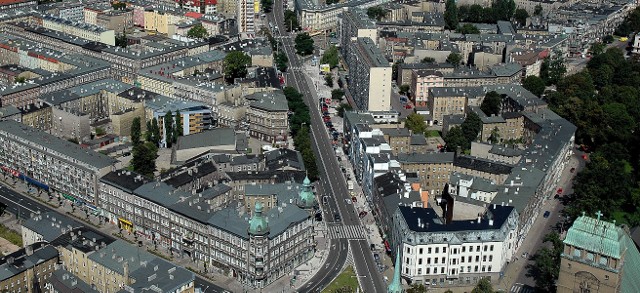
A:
(50, 225)
(269, 101)
(373, 53)
(428, 158)
(22, 261)
(160, 193)
(88, 157)
(213, 137)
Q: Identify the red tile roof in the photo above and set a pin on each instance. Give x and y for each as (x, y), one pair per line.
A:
(193, 14)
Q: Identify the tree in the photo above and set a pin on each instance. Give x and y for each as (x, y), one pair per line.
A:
(538, 10)
(291, 20)
(155, 131)
(136, 131)
(483, 286)
(495, 135)
(475, 13)
(235, 65)
(376, 12)
(330, 2)
(470, 128)
(454, 139)
(546, 266)
(428, 60)
(144, 158)
(491, 104)
(417, 288)
(343, 108)
(198, 32)
(534, 84)
(330, 57)
(504, 9)
(337, 95)
(608, 39)
(179, 130)
(267, 5)
(328, 79)
(521, 16)
(100, 131)
(597, 48)
(121, 39)
(304, 44)
(404, 89)
(467, 29)
(168, 128)
(281, 60)
(395, 68)
(451, 14)
(552, 70)
(415, 122)
(20, 79)
(454, 59)
(3, 207)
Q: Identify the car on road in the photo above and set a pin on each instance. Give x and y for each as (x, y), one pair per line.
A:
(336, 217)
(547, 214)
(354, 199)
(347, 201)
(376, 257)
(362, 214)
(559, 190)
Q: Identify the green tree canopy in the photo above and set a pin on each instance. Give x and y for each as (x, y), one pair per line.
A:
(168, 128)
(454, 59)
(395, 68)
(521, 16)
(344, 107)
(266, 5)
(179, 130)
(337, 94)
(404, 89)
(197, 31)
(235, 65)
(331, 57)
(483, 286)
(455, 139)
(415, 122)
(328, 79)
(281, 60)
(291, 20)
(428, 60)
(451, 14)
(144, 159)
(468, 28)
(538, 10)
(304, 44)
(491, 104)
(552, 70)
(534, 84)
(376, 12)
(136, 131)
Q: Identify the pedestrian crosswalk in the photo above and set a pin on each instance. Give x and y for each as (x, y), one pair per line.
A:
(347, 232)
(521, 288)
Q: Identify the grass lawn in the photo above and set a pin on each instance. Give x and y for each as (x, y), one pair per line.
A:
(432, 133)
(13, 236)
(346, 279)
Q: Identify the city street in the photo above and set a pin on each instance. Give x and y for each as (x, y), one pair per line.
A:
(25, 207)
(516, 279)
(332, 182)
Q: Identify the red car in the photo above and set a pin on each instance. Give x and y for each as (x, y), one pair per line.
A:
(559, 191)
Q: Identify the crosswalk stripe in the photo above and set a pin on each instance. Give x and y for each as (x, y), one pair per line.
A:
(346, 232)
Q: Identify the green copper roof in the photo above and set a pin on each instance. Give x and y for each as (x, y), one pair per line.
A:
(396, 286)
(258, 224)
(307, 198)
(630, 267)
(596, 235)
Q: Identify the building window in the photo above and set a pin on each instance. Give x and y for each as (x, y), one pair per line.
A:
(419, 261)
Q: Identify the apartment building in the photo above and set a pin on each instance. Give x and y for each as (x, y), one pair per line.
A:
(354, 23)
(483, 168)
(29, 268)
(116, 20)
(319, 17)
(399, 139)
(369, 77)
(11, 5)
(245, 14)
(46, 227)
(190, 225)
(444, 101)
(421, 82)
(52, 164)
(433, 169)
(504, 154)
(82, 30)
(455, 253)
(196, 117)
(112, 265)
(91, 12)
(267, 116)
(471, 187)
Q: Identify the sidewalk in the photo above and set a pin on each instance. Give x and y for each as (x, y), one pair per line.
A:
(213, 274)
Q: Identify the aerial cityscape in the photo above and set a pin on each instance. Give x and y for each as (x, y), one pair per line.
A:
(335, 146)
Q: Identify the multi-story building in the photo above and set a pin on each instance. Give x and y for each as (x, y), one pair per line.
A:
(245, 15)
(369, 77)
(598, 256)
(91, 12)
(446, 101)
(46, 227)
(433, 169)
(28, 269)
(85, 31)
(421, 82)
(116, 20)
(458, 253)
(52, 164)
(472, 187)
(190, 225)
(196, 117)
(354, 23)
(267, 116)
(399, 139)
(316, 17)
(493, 171)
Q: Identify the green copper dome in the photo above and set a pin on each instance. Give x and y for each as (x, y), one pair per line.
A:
(258, 224)
(306, 199)
(396, 285)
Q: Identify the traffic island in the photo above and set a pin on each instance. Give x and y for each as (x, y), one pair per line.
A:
(347, 281)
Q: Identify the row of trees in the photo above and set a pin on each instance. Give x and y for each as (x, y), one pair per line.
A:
(299, 123)
(291, 20)
(145, 153)
(499, 10)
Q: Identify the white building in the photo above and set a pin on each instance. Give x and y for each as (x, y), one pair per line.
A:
(472, 187)
(455, 253)
(246, 15)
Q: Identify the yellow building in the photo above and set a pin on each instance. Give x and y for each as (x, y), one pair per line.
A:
(22, 270)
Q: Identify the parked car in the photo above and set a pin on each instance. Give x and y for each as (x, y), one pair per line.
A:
(347, 201)
(547, 214)
(573, 170)
(559, 190)
(336, 217)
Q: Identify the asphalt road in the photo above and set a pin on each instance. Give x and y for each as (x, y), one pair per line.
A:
(25, 207)
(332, 183)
